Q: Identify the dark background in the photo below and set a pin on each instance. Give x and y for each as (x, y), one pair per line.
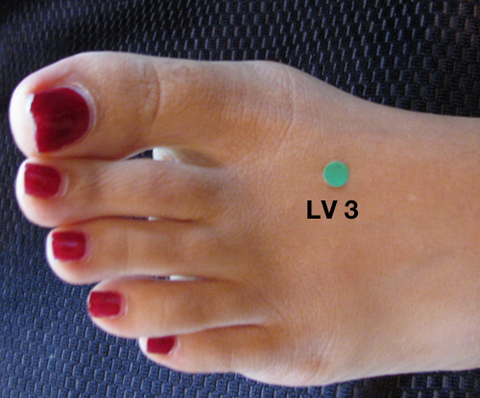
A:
(418, 55)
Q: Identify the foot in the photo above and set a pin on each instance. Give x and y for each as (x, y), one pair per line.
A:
(269, 286)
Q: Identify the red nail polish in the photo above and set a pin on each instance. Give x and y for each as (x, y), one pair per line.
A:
(104, 304)
(41, 181)
(68, 246)
(161, 345)
(61, 116)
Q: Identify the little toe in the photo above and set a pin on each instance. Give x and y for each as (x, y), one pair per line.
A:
(239, 349)
(257, 351)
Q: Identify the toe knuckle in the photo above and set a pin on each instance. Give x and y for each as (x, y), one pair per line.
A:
(191, 87)
(185, 76)
(325, 369)
(322, 374)
(203, 196)
(273, 74)
(183, 313)
(269, 66)
(195, 246)
(150, 85)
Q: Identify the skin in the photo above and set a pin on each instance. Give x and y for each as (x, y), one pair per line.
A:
(274, 296)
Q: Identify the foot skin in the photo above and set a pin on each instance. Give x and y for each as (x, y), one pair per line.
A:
(240, 147)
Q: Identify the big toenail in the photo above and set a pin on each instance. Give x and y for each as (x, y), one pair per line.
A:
(41, 181)
(61, 116)
(161, 345)
(104, 304)
(68, 245)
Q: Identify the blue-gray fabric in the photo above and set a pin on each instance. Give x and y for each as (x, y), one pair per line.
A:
(412, 54)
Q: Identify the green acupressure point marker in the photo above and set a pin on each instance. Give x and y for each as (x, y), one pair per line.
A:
(336, 174)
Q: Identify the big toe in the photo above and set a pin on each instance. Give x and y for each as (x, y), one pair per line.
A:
(113, 105)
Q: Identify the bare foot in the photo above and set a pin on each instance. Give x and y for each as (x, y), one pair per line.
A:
(388, 283)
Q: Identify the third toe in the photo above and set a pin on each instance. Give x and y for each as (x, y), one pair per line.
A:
(113, 248)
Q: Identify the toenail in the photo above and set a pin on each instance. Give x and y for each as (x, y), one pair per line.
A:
(161, 345)
(105, 304)
(61, 116)
(68, 245)
(41, 181)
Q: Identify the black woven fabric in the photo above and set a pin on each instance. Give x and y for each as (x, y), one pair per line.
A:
(418, 55)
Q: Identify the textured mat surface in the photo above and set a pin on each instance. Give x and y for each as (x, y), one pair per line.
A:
(418, 55)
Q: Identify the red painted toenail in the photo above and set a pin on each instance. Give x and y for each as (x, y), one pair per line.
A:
(61, 116)
(161, 345)
(104, 304)
(68, 246)
(41, 181)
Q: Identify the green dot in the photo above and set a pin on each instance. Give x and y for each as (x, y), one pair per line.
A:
(336, 174)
